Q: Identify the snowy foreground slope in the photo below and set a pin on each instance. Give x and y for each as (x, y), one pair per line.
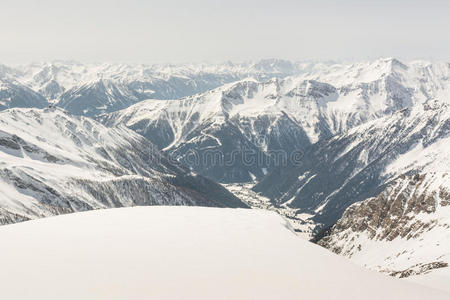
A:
(181, 253)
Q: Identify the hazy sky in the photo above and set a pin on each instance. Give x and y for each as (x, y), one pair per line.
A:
(200, 30)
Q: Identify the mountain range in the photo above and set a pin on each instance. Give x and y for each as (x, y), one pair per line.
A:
(92, 89)
(354, 154)
(53, 163)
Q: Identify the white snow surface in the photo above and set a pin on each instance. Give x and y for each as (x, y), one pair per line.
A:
(438, 279)
(181, 253)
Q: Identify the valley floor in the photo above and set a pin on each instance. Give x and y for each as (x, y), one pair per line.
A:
(181, 253)
(300, 222)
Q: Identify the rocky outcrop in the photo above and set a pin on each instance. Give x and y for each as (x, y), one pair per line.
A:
(419, 269)
(411, 211)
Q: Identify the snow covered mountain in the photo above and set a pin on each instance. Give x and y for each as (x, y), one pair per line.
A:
(373, 87)
(69, 74)
(240, 131)
(403, 231)
(365, 145)
(52, 162)
(181, 253)
(92, 89)
(100, 96)
(280, 114)
(420, 79)
(245, 122)
(14, 94)
(337, 172)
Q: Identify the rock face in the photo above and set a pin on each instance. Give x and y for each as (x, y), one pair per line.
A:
(52, 163)
(403, 231)
(335, 173)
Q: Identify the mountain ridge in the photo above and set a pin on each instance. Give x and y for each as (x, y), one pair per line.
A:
(53, 162)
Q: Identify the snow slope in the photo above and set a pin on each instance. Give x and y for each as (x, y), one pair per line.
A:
(14, 94)
(52, 162)
(181, 253)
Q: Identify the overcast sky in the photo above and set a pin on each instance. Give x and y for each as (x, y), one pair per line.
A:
(200, 30)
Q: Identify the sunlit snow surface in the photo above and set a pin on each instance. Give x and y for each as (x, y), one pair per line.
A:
(180, 253)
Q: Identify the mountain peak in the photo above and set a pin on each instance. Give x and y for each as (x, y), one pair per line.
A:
(274, 65)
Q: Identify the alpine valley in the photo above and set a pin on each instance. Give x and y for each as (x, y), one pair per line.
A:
(356, 156)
